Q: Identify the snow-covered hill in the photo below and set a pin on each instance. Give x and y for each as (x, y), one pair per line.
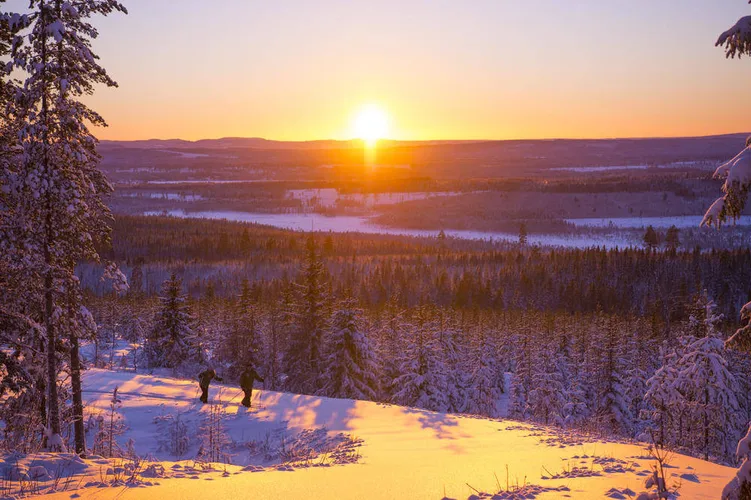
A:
(399, 452)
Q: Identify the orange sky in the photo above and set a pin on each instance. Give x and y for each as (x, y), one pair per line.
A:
(485, 69)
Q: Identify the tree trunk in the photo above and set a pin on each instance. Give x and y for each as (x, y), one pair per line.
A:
(706, 424)
(53, 408)
(75, 378)
(42, 388)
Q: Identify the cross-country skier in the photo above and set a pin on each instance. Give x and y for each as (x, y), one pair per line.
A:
(204, 379)
(246, 384)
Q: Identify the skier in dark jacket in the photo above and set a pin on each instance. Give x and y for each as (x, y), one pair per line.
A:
(246, 384)
(204, 379)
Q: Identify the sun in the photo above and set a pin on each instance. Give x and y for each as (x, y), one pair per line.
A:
(370, 124)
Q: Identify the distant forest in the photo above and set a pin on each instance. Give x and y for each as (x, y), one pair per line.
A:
(216, 256)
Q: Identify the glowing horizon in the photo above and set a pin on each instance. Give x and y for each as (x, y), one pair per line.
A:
(483, 70)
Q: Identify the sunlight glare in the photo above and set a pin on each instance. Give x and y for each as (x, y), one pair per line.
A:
(370, 124)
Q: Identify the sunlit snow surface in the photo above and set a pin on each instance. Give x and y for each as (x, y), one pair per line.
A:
(406, 453)
(355, 224)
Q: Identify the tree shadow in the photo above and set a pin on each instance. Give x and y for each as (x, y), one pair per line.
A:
(442, 425)
(301, 411)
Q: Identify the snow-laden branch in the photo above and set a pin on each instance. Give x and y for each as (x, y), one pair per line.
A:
(737, 175)
(737, 40)
(8, 317)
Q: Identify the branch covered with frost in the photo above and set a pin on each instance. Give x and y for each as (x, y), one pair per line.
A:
(737, 175)
(113, 274)
(737, 40)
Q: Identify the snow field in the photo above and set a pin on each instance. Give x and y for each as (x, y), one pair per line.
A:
(404, 452)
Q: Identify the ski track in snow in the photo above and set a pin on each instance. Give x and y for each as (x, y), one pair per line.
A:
(406, 452)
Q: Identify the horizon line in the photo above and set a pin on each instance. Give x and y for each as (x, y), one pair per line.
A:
(385, 139)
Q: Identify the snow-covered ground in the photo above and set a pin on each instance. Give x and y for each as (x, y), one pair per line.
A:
(403, 452)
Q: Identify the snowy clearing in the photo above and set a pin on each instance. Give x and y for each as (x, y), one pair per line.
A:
(403, 452)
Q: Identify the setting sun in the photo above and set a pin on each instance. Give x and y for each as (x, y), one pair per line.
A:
(370, 124)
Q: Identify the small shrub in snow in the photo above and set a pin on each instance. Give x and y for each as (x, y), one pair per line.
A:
(215, 441)
(175, 438)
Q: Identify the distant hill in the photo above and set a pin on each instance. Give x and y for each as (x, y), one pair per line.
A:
(260, 143)
(435, 159)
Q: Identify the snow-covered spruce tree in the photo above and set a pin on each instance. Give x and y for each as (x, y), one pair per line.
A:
(612, 400)
(573, 351)
(172, 341)
(305, 355)
(390, 339)
(422, 382)
(663, 401)
(739, 365)
(637, 372)
(350, 365)
(484, 386)
(241, 345)
(273, 348)
(709, 389)
(453, 356)
(59, 187)
(22, 379)
(521, 381)
(575, 410)
(546, 396)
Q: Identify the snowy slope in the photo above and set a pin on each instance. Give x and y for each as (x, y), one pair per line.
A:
(406, 453)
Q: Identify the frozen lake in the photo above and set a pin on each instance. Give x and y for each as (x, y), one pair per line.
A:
(208, 181)
(165, 196)
(600, 169)
(355, 224)
(675, 164)
(331, 197)
(681, 222)
(182, 154)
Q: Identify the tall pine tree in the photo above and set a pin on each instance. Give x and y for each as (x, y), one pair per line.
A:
(59, 189)
(305, 355)
(172, 341)
(350, 365)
